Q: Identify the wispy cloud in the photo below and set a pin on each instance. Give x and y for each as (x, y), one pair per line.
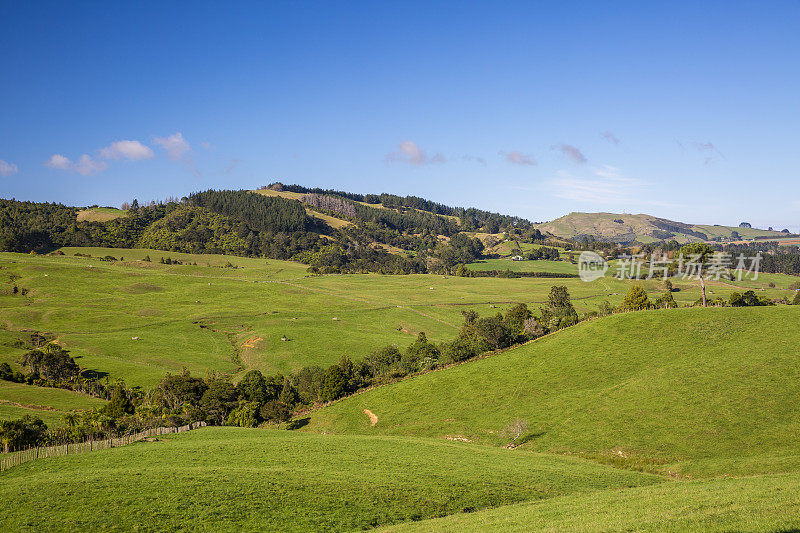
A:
(707, 149)
(232, 166)
(474, 159)
(610, 137)
(570, 152)
(175, 145)
(409, 152)
(133, 150)
(86, 165)
(8, 169)
(606, 186)
(711, 152)
(516, 157)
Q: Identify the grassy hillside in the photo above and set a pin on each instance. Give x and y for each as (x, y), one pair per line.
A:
(643, 228)
(561, 267)
(690, 392)
(199, 317)
(234, 479)
(761, 503)
(18, 400)
(211, 316)
(100, 214)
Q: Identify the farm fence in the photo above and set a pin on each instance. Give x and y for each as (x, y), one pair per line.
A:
(7, 460)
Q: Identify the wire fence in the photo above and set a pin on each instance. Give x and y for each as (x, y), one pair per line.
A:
(7, 460)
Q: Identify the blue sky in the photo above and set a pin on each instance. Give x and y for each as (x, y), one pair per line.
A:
(682, 110)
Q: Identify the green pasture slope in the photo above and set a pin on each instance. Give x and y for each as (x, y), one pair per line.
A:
(213, 317)
(560, 267)
(753, 503)
(18, 400)
(232, 479)
(683, 392)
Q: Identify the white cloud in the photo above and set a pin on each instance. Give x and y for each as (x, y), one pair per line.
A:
(8, 169)
(606, 186)
(409, 152)
(58, 161)
(518, 158)
(133, 150)
(175, 145)
(85, 165)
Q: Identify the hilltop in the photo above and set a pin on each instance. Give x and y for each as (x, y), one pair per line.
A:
(641, 228)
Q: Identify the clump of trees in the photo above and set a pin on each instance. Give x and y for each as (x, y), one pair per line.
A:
(544, 252)
(748, 299)
(19, 434)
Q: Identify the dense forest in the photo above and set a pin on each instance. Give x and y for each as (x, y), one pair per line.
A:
(471, 219)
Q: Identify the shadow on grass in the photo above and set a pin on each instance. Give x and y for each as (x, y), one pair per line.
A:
(297, 424)
(93, 374)
(529, 437)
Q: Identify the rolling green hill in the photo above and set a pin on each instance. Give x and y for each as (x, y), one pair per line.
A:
(627, 228)
(18, 400)
(757, 503)
(229, 313)
(233, 479)
(684, 392)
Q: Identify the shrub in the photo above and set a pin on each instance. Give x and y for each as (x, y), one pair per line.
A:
(635, 300)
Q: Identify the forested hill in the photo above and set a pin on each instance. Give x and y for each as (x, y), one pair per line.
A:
(470, 219)
(331, 231)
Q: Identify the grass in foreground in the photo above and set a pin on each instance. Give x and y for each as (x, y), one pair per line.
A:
(233, 479)
(768, 504)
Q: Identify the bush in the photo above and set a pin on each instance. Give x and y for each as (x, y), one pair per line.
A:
(665, 302)
(26, 432)
(635, 300)
(245, 416)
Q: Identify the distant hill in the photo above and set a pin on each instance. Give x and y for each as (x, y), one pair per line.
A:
(625, 228)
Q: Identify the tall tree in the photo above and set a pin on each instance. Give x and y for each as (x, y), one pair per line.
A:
(698, 255)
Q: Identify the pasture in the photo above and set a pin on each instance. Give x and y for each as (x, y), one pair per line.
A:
(681, 392)
(137, 320)
(761, 503)
(18, 400)
(100, 214)
(233, 479)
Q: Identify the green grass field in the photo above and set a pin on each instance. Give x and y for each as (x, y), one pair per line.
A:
(17, 400)
(210, 317)
(100, 214)
(760, 503)
(681, 419)
(684, 392)
(238, 479)
(561, 267)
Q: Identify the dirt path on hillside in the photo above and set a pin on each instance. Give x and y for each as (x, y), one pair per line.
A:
(373, 419)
